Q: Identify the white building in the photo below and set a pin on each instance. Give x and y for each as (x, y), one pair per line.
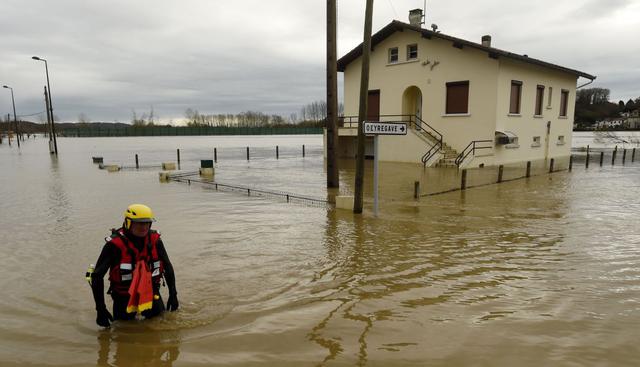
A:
(466, 102)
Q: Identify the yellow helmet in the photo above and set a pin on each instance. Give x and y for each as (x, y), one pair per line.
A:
(138, 213)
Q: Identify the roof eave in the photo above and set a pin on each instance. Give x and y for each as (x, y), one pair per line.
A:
(395, 26)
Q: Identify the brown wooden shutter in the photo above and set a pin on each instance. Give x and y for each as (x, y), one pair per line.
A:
(564, 98)
(539, 99)
(373, 105)
(457, 97)
(516, 90)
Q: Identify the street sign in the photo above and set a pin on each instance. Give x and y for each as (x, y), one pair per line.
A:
(385, 128)
(376, 129)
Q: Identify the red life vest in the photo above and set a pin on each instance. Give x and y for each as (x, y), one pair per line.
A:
(121, 274)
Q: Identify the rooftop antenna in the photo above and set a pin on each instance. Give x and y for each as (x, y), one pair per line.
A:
(424, 12)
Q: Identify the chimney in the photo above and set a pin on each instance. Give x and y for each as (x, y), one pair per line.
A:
(415, 17)
(486, 41)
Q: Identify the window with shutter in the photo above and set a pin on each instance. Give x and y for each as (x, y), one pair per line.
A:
(516, 94)
(393, 55)
(564, 99)
(539, 99)
(457, 97)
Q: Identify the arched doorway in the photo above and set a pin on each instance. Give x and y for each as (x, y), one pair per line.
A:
(412, 102)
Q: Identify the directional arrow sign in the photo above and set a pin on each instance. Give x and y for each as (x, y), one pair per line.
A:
(385, 128)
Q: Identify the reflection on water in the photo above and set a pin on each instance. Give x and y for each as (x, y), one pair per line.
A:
(58, 206)
(145, 347)
(538, 271)
(392, 278)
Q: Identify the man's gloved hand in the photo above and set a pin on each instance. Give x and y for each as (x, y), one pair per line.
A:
(104, 317)
(172, 302)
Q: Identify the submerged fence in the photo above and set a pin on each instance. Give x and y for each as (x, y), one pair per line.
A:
(230, 156)
(398, 183)
(194, 178)
(188, 131)
(443, 181)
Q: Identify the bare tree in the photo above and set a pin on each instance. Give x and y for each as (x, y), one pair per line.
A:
(83, 119)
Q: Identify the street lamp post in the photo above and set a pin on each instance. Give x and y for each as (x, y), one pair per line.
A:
(15, 118)
(53, 125)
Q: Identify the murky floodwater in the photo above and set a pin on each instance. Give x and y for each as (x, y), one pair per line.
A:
(536, 272)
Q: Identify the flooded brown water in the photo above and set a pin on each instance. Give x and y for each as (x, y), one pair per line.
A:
(542, 271)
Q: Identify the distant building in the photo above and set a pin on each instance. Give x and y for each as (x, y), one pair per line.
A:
(633, 121)
(612, 123)
(455, 92)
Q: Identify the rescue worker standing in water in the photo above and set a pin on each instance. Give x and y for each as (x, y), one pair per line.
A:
(133, 244)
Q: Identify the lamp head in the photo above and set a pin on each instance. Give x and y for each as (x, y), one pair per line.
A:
(5, 86)
(35, 58)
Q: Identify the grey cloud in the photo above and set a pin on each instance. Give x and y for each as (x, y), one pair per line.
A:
(107, 58)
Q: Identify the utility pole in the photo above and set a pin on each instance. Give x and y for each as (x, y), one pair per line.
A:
(49, 124)
(53, 124)
(15, 117)
(8, 124)
(362, 113)
(333, 179)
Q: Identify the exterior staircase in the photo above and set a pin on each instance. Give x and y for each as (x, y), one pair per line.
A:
(448, 157)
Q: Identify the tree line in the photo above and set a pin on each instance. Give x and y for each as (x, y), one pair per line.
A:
(313, 114)
(593, 105)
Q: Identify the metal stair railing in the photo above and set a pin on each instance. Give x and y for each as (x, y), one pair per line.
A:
(471, 149)
(431, 152)
(412, 120)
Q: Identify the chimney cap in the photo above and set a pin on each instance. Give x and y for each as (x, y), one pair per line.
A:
(486, 40)
(415, 17)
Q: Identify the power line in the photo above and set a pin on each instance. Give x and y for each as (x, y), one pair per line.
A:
(394, 9)
(33, 114)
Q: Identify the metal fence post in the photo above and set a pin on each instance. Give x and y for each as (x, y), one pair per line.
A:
(500, 172)
(586, 163)
(570, 162)
(463, 183)
(551, 165)
(528, 169)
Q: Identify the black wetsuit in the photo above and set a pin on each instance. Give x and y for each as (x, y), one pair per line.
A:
(109, 257)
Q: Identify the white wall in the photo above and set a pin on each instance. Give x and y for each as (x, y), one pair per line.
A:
(453, 65)
(526, 125)
(489, 96)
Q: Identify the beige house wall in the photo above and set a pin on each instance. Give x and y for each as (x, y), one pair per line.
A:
(403, 148)
(526, 125)
(489, 97)
(453, 65)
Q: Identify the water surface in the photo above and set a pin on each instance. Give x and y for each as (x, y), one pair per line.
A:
(539, 271)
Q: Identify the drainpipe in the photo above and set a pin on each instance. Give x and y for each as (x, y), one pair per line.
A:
(585, 84)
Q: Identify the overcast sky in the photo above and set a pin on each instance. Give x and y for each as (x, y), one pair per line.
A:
(108, 58)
